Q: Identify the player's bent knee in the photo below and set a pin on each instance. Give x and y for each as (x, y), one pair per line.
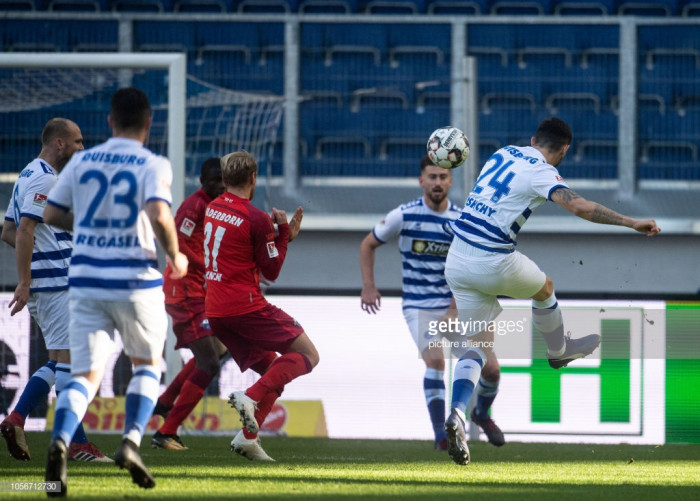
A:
(546, 291)
(491, 371)
(210, 366)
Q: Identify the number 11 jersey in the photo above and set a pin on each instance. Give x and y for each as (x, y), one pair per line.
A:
(107, 188)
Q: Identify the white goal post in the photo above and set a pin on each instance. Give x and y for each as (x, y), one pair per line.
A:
(176, 66)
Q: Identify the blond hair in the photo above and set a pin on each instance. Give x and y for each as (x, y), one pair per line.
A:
(237, 167)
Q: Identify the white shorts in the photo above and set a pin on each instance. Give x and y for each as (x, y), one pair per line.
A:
(418, 322)
(476, 277)
(142, 325)
(50, 312)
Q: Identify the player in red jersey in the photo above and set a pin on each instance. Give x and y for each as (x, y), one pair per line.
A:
(239, 245)
(184, 302)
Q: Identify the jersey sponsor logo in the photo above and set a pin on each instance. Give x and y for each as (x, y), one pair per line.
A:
(26, 173)
(187, 227)
(559, 178)
(272, 250)
(222, 216)
(430, 247)
(40, 200)
(212, 275)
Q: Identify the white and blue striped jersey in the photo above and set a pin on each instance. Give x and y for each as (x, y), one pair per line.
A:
(423, 244)
(52, 245)
(107, 188)
(512, 184)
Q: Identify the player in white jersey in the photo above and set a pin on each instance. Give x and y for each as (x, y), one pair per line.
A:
(482, 262)
(423, 244)
(116, 198)
(42, 253)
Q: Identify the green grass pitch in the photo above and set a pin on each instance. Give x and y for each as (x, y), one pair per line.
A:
(378, 469)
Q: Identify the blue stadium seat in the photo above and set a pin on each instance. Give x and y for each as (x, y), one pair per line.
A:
(267, 6)
(355, 48)
(419, 48)
(17, 5)
(35, 35)
(583, 8)
(651, 9)
(141, 5)
(400, 7)
(457, 7)
(241, 34)
(76, 5)
(691, 9)
(94, 36)
(390, 98)
(328, 6)
(507, 101)
(200, 6)
(527, 8)
(164, 36)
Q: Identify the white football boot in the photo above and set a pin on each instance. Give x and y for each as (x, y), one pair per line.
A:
(249, 448)
(246, 409)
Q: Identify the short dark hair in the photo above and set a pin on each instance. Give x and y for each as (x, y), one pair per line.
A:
(552, 134)
(130, 109)
(55, 128)
(425, 162)
(211, 168)
(237, 167)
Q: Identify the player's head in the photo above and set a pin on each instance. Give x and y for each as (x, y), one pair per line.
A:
(435, 181)
(130, 112)
(60, 139)
(239, 170)
(210, 177)
(553, 138)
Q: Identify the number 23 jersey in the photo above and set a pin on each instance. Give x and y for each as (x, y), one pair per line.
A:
(512, 184)
(107, 188)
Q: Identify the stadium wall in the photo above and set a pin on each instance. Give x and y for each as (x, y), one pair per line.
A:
(642, 386)
(600, 265)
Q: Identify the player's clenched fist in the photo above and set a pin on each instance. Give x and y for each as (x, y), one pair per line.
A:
(179, 266)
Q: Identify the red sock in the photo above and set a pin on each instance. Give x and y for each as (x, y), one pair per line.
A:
(286, 368)
(16, 419)
(173, 390)
(264, 408)
(192, 392)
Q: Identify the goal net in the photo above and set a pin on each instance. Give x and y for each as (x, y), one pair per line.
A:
(219, 121)
(192, 121)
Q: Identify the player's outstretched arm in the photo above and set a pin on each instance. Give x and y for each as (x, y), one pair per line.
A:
(597, 213)
(370, 298)
(161, 218)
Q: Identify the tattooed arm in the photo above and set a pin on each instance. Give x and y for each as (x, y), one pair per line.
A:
(596, 213)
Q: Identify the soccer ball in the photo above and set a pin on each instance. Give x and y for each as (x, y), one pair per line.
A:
(448, 147)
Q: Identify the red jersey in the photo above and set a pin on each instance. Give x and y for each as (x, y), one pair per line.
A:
(189, 221)
(239, 244)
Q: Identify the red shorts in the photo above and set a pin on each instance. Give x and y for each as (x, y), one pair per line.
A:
(250, 338)
(189, 321)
